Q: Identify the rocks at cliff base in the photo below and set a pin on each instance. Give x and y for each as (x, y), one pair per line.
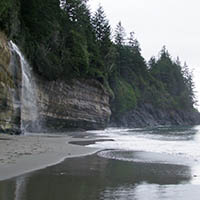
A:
(146, 115)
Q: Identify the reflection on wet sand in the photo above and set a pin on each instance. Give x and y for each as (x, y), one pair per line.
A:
(153, 164)
(93, 177)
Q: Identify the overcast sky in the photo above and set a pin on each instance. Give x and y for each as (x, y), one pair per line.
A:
(174, 23)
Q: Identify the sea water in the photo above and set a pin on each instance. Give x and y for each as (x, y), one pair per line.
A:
(161, 163)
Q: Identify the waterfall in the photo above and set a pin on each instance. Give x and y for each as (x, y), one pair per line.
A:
(29, 110)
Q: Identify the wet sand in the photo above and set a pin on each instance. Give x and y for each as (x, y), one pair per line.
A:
(88, 142)
(23, 154)
(95, 178)
(136, 171)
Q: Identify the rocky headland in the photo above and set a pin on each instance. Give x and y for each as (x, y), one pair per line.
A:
(148, 116)
(63, 72)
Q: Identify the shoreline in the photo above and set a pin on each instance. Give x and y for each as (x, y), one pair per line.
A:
(24, 154)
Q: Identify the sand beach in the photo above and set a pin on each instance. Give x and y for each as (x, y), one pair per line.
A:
(26, 153)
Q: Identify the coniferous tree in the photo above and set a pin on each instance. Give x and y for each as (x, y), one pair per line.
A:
(189, 84)
(120, 35)
(120, 44)
(101, 25)
(152, 62)
(41, 17)
(176, 80)
(81, 32)
(78, 15)
(133, 42)
(6, 9)
(65, 41)
(103, 33)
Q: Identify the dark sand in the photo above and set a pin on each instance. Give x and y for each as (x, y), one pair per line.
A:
(96, 178)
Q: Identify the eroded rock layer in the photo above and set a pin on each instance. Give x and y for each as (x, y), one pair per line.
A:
(82, 104)
(76, 104)
(10, 81)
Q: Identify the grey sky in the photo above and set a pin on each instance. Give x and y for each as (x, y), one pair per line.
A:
(174, 23)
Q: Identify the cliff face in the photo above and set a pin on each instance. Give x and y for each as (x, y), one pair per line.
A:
(76, 104)
(146, 115)
(66, 105)
(82, 104)
(10, 81)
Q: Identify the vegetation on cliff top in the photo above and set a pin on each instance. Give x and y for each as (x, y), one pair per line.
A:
(63, 40)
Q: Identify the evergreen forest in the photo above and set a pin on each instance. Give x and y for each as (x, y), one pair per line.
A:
(64, 40)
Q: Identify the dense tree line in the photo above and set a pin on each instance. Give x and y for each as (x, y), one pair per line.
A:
(63, 40)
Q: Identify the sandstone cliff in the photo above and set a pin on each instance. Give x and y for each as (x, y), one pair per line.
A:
(61, 105)
(82, 104)
(10, 81)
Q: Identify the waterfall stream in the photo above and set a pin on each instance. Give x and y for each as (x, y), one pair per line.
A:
(29, 110)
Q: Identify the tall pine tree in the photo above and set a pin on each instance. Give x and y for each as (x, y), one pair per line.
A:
(120, 35)
(103, 33)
